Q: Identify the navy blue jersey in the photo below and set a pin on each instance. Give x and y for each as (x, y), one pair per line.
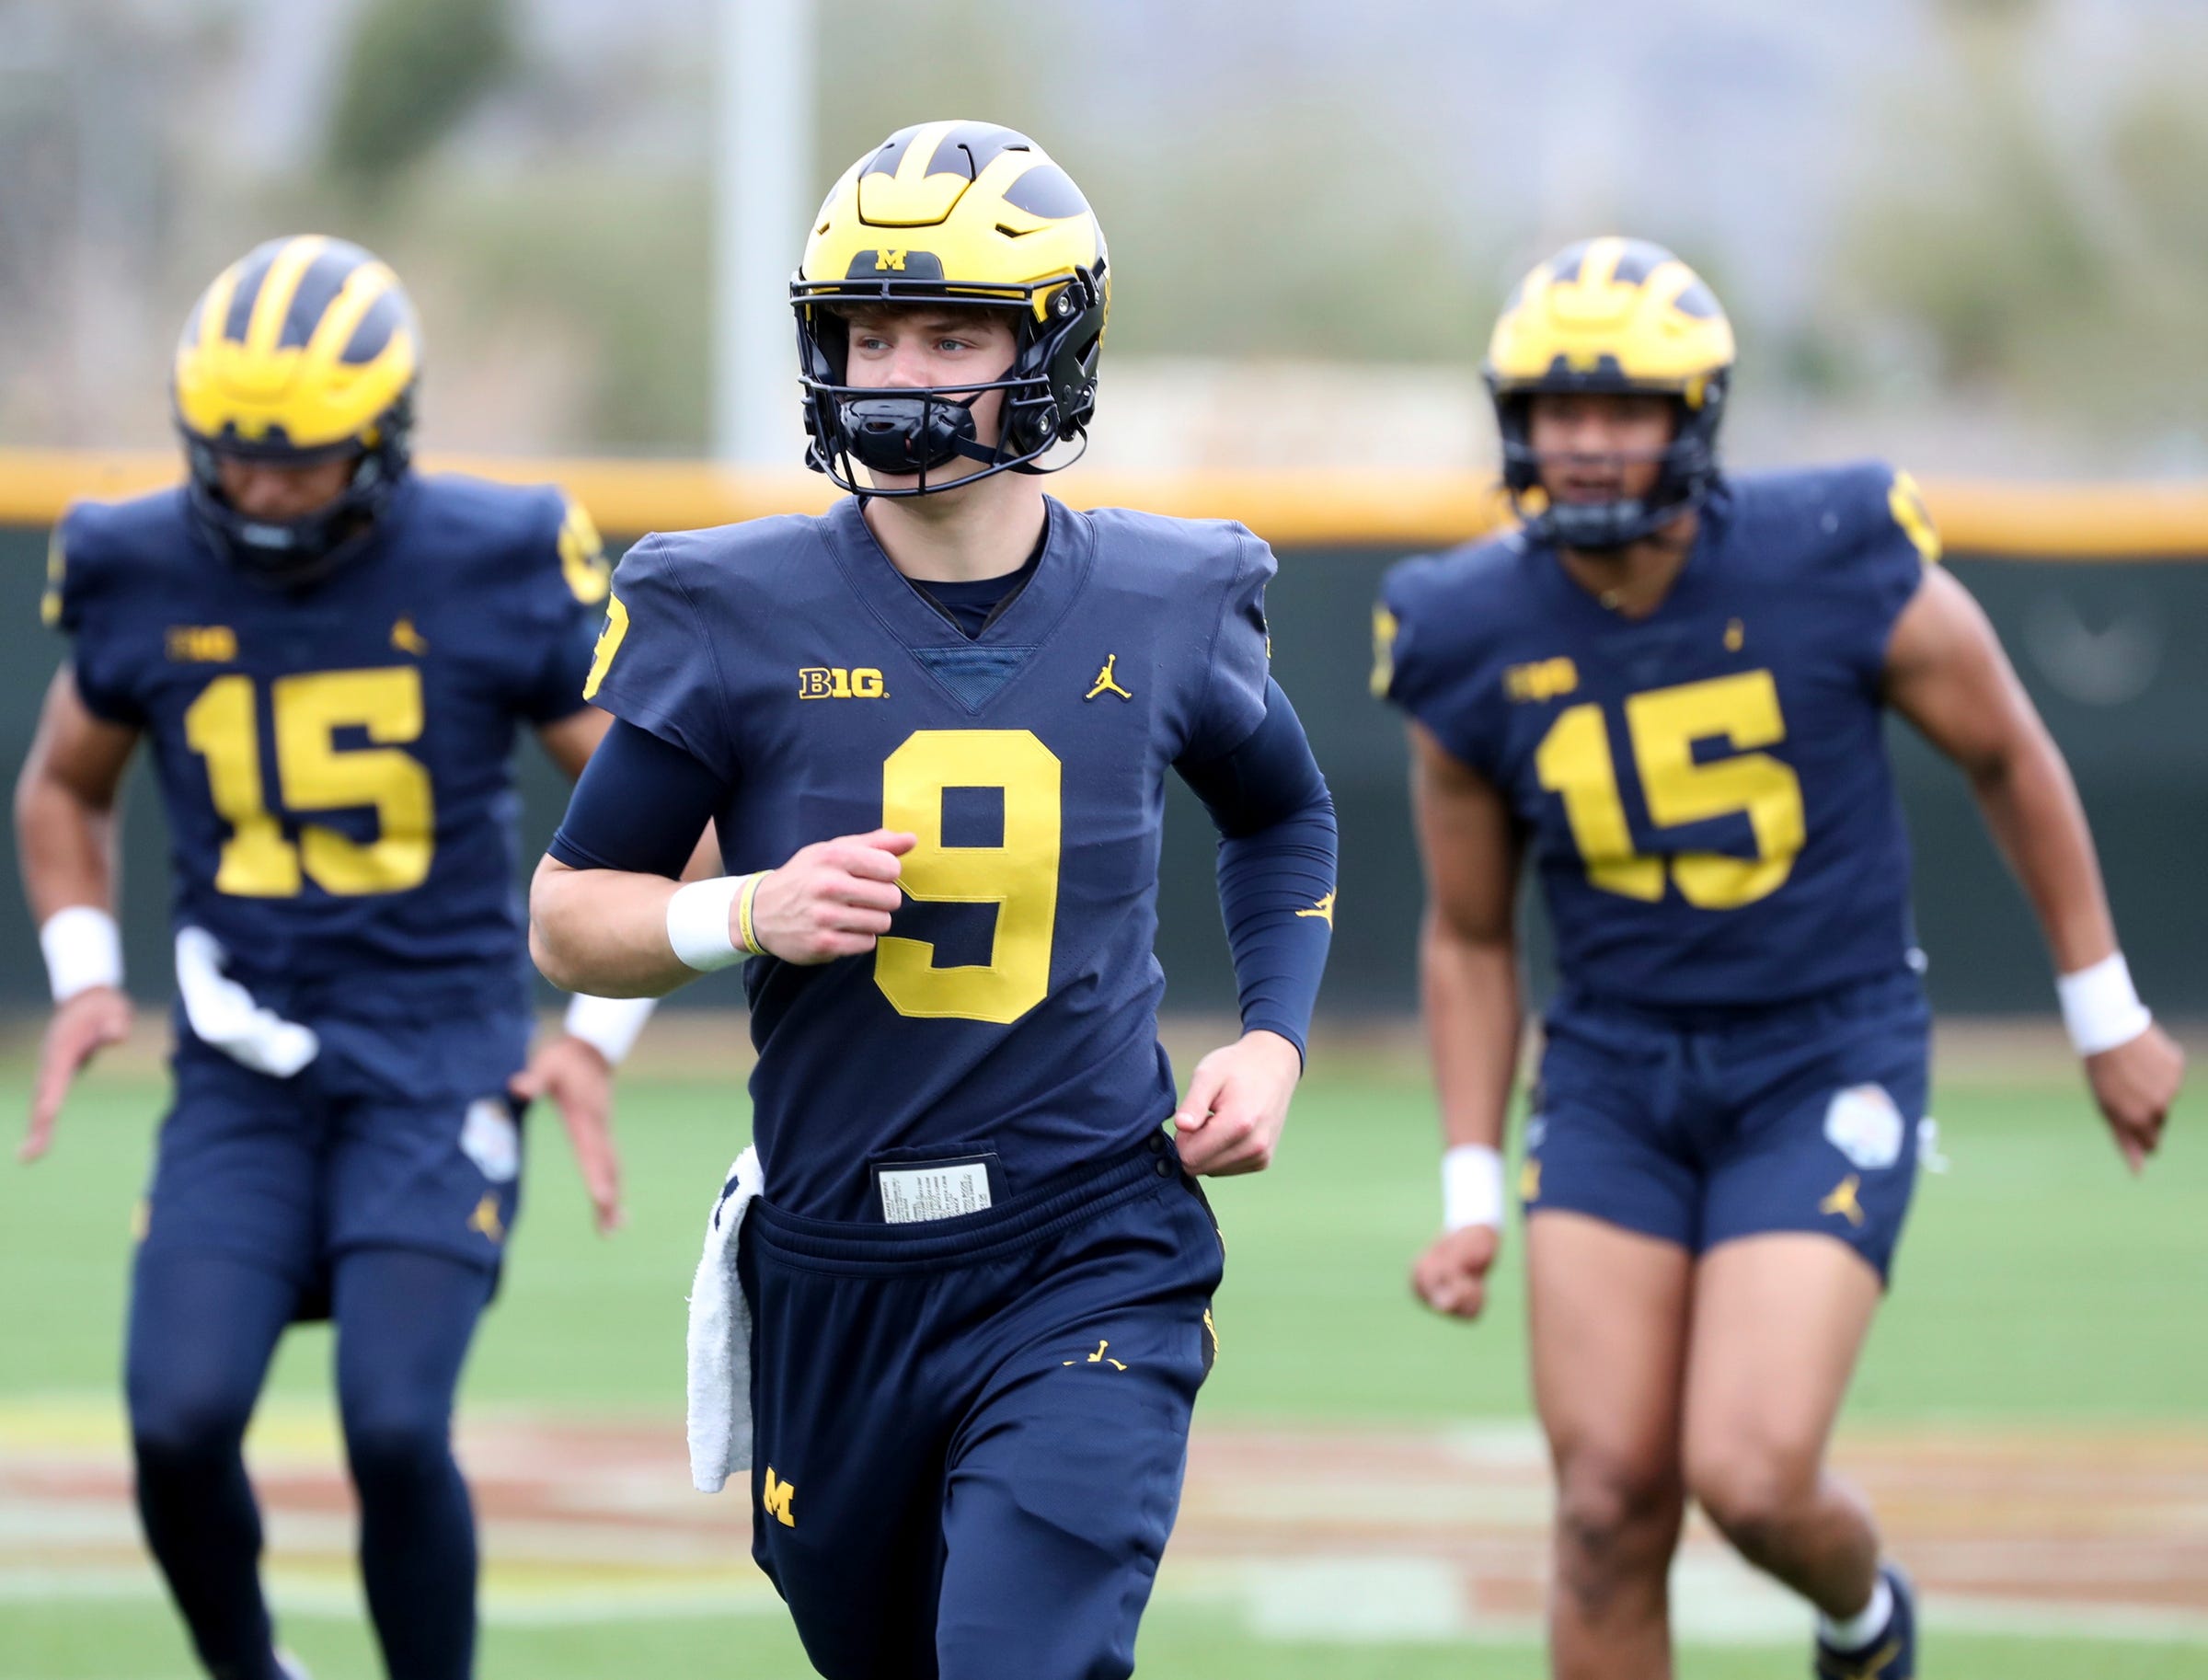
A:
(1706, 790)
(1011, 1012)
(334, 763)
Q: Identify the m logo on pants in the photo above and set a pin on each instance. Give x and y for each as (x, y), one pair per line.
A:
(777, 1497)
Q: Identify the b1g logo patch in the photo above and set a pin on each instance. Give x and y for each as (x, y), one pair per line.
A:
(1864, 1125)
(835, 682)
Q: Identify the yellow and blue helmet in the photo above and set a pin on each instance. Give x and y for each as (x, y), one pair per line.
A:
(305, 351)
(1611, 314)
(971, 216)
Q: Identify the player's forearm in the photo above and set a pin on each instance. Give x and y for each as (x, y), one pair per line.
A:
(1469, 989)
(2031, 808)
(603, 931)
(66, 847)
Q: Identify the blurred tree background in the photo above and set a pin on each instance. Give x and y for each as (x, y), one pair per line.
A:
(1969, 230)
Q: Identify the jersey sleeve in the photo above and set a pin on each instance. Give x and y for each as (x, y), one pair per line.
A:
(1895, 542)
(568, 606)
(1240, 658)
(1421, 667)
(85, 600)
(654, 665)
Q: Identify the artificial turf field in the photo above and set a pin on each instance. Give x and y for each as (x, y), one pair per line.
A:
(1365, 1496)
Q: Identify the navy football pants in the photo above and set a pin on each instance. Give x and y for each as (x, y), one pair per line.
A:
(203, 1328)
(972, 1434)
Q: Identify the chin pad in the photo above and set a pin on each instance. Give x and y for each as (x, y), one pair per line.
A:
(908, 434)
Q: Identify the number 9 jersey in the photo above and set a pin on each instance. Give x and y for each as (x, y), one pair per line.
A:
(1706, 789)
(334, 761)
(1009, 1016)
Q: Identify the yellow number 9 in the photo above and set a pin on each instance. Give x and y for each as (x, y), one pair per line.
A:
(1019, 875)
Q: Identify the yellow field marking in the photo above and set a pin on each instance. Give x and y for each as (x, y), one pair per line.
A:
(2107, 520)
(1393, 1536)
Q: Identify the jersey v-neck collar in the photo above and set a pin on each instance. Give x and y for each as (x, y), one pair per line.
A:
(1068, 550)
(1689, 584)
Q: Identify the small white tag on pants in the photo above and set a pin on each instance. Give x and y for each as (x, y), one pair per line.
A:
(938, 1190)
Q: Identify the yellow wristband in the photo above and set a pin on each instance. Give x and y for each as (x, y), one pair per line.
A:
(748, 938)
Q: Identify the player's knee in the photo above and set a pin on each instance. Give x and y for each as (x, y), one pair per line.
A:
(1753, 1494)
(1615, 1521)
(396, 1440)
(188, 1421)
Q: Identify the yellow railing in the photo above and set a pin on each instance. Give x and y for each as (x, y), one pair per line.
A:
(2060, 521)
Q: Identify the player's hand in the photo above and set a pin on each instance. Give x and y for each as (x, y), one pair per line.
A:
(81, 1027)
(580, 1081)
(832, 898)
(1452, 1275)
(1230, 1122)
(2135, 1084)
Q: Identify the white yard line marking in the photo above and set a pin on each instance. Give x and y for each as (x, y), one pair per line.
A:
(1379, 1535)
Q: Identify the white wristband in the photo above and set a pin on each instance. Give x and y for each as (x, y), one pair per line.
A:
(698, 923)
(2100, 1008)
(83, 949)
(1471, 1187)
(609, 1024)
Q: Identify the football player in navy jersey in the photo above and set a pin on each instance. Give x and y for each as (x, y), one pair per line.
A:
(932, 728)
(1666, 692)
(329, 656)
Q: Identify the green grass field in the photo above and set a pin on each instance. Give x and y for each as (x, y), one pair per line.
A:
(2041, 1295)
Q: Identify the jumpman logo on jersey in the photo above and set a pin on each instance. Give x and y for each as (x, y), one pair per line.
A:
(1097, 1358)
(407, 638)
(1842, 1201)
(1324, 908)
(1106, 684)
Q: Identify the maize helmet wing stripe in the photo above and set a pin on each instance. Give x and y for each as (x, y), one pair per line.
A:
(304, 344)
(1611, 314)
(978, 205)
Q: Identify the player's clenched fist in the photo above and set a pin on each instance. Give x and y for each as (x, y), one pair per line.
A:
(2134, 1084)
(832, 898)
(1230, 1122)
(1452, 1275)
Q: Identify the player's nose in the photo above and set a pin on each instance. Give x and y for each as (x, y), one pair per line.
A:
(912, 364)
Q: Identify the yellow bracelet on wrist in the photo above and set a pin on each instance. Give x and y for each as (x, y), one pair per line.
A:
(745, 935)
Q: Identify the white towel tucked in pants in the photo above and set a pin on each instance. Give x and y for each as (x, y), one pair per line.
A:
(720, 1339)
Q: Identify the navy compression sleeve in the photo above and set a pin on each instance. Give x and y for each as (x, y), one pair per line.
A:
(1276, 866)
(640, 806)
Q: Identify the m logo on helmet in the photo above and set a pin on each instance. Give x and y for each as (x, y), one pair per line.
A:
(886, 259)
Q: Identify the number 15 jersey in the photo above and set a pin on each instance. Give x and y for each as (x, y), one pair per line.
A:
(1705, 790)
(335, 762)
(1011, 1010)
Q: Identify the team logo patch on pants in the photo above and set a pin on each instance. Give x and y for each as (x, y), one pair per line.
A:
(491, 1140)
(1864, 1125)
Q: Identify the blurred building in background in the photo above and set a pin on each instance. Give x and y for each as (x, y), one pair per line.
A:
(1965, 232)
